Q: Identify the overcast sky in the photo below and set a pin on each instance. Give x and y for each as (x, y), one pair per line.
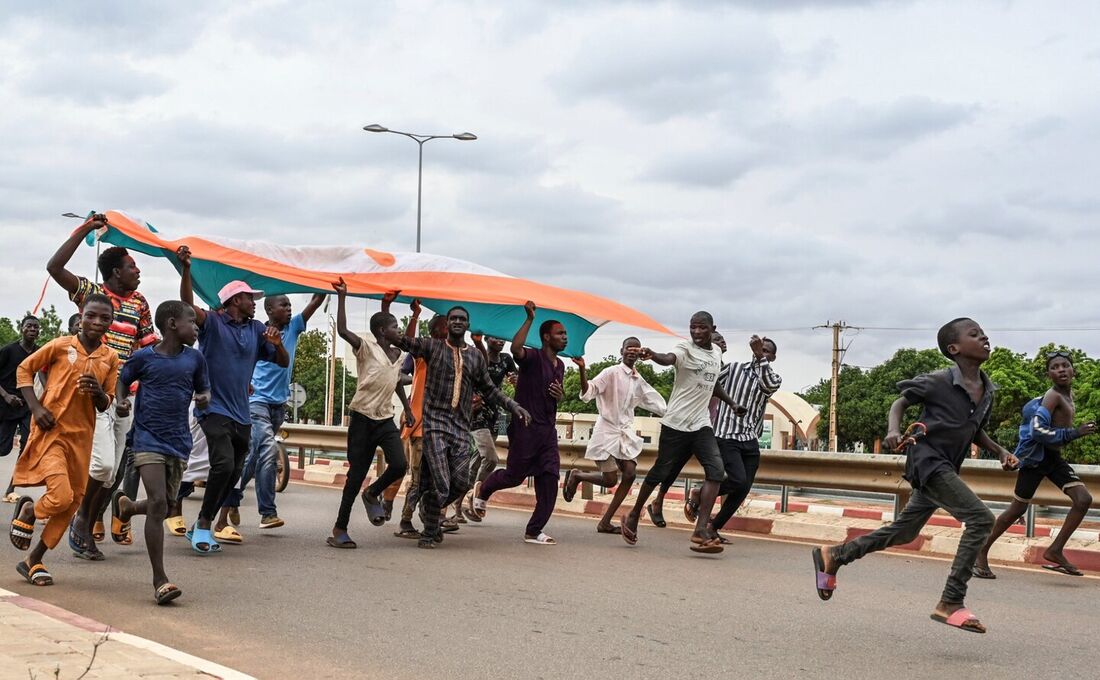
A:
(781, 164)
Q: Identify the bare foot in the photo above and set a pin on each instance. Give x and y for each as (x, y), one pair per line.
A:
(125, 508)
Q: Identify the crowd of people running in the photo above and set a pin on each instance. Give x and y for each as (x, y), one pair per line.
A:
(126, 399)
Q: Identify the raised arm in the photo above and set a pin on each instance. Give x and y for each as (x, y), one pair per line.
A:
(342, 315)
(313, 305)
(187, 296)
(57, 264)
(583, 374)
(413, 326)
(666, 359)
(479, 342)
(520, 338)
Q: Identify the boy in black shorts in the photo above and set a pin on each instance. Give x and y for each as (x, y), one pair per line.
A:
(171, 374)
(956, 405)
(1047, 427)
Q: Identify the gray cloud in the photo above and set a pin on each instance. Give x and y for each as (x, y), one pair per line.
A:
(91, 80)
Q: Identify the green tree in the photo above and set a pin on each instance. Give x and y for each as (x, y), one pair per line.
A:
(310, 358)
(51, 326)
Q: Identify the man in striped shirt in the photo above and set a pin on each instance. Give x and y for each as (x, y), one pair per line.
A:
(749, 383)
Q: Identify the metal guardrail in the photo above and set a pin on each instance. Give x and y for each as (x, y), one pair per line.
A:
(876, 473)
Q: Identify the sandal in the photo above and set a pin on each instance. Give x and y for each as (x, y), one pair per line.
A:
(166, 593)
(120, 531)
(691, 508)
(541, 539)
(613, 529)
(959, 618)
(21, 532)
(826, 583)
(199, 537)
(629, 535)
(983, 572)
(175, 525)
(708, 546)
(407, 533)
(468, 510)
(341, 541)
(375, 512)
(229, 535)
(80, 547)
(98, 532)
(566, 492)
(36, 575)
(11, 497)
(479, 507)
(656, 516)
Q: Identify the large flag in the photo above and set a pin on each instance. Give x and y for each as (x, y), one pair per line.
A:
(494, 300)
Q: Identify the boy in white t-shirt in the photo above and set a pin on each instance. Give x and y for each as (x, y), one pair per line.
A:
(686, 428)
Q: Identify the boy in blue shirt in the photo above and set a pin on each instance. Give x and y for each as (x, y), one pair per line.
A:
(170, 374)
(267, 407)
(1047, 427)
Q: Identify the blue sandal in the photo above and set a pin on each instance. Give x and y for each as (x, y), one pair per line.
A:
(197, 536)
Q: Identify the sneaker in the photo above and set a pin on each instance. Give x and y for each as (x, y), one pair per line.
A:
(270, 522)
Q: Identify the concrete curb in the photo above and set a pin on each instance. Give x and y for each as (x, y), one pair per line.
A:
(67, 618)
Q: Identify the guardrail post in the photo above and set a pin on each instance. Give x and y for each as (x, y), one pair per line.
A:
(901, 499)
(301, 458)
(784, 498)
(586, 490)
(1029, 521)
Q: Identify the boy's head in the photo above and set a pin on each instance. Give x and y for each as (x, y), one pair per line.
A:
(383, 325)
(963, 338)
(630, 357)
(769, 350)
(96, 317)
(29, 328)
(495, 345)
(437, 327)
(717, 339)
(279, 310)
(74, 324)
(458, 321)
(701, 329)
(553, 335)
(240, 297)
(115, 264)
(1060, 368)
(176, 319)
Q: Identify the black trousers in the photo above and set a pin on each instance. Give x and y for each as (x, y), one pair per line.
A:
(742, 460)
(228, 443)
(9, 427)
(365, 436)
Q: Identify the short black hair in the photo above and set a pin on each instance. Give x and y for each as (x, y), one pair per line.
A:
(110, 260)
(547, 326)
(628, 339)
(775, 347)
(949, 334)
(379, 319)
(75, 318)
(98, 298)
(448, 315)
(437, 319)
(270, 301)
(703, 315)
(29, 317)
(169, 309)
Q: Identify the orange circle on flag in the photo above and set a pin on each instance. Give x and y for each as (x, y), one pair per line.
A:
(382, 258)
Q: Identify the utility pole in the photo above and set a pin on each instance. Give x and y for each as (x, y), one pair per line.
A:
(837, 328)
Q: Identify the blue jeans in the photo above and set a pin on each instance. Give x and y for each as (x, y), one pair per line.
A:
(261, 463)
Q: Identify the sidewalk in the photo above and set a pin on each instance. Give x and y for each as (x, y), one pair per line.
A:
(39, 640)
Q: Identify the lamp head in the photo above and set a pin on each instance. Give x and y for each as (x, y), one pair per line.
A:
(465, 136)
(375, 127)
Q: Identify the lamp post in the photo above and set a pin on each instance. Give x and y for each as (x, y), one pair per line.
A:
(420, 139)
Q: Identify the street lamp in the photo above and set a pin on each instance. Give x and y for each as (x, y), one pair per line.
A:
(420, 139)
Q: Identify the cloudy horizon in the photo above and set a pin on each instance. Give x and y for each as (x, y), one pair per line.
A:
(782, 164)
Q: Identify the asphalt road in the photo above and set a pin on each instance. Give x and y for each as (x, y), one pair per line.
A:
(486, 605)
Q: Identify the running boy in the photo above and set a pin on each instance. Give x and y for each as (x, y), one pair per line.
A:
(686, 429)
(956, 403)
(379, 365)
(1047, 427)
(171, 373)
(614, 445)
(83, 372)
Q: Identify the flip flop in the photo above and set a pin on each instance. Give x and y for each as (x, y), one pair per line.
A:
(175, 525)
(407, 533)
(565, 492)
(541, 539)
(615, 529)
(36, 575)
(479, 507)
(98, 532)
(166, 593)
(1067, 569)
(21, 532)
(723, 540)
(229, 535)
(80, 548)
(341, 541)
(120, 531)
(691, 509)
(983, 572)
(197, 536)
(707, 547)
(826, 583)
(629, 535)
(657, 518)
(958, 619)
(468, 510)
(375, 512)
(11, 497)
